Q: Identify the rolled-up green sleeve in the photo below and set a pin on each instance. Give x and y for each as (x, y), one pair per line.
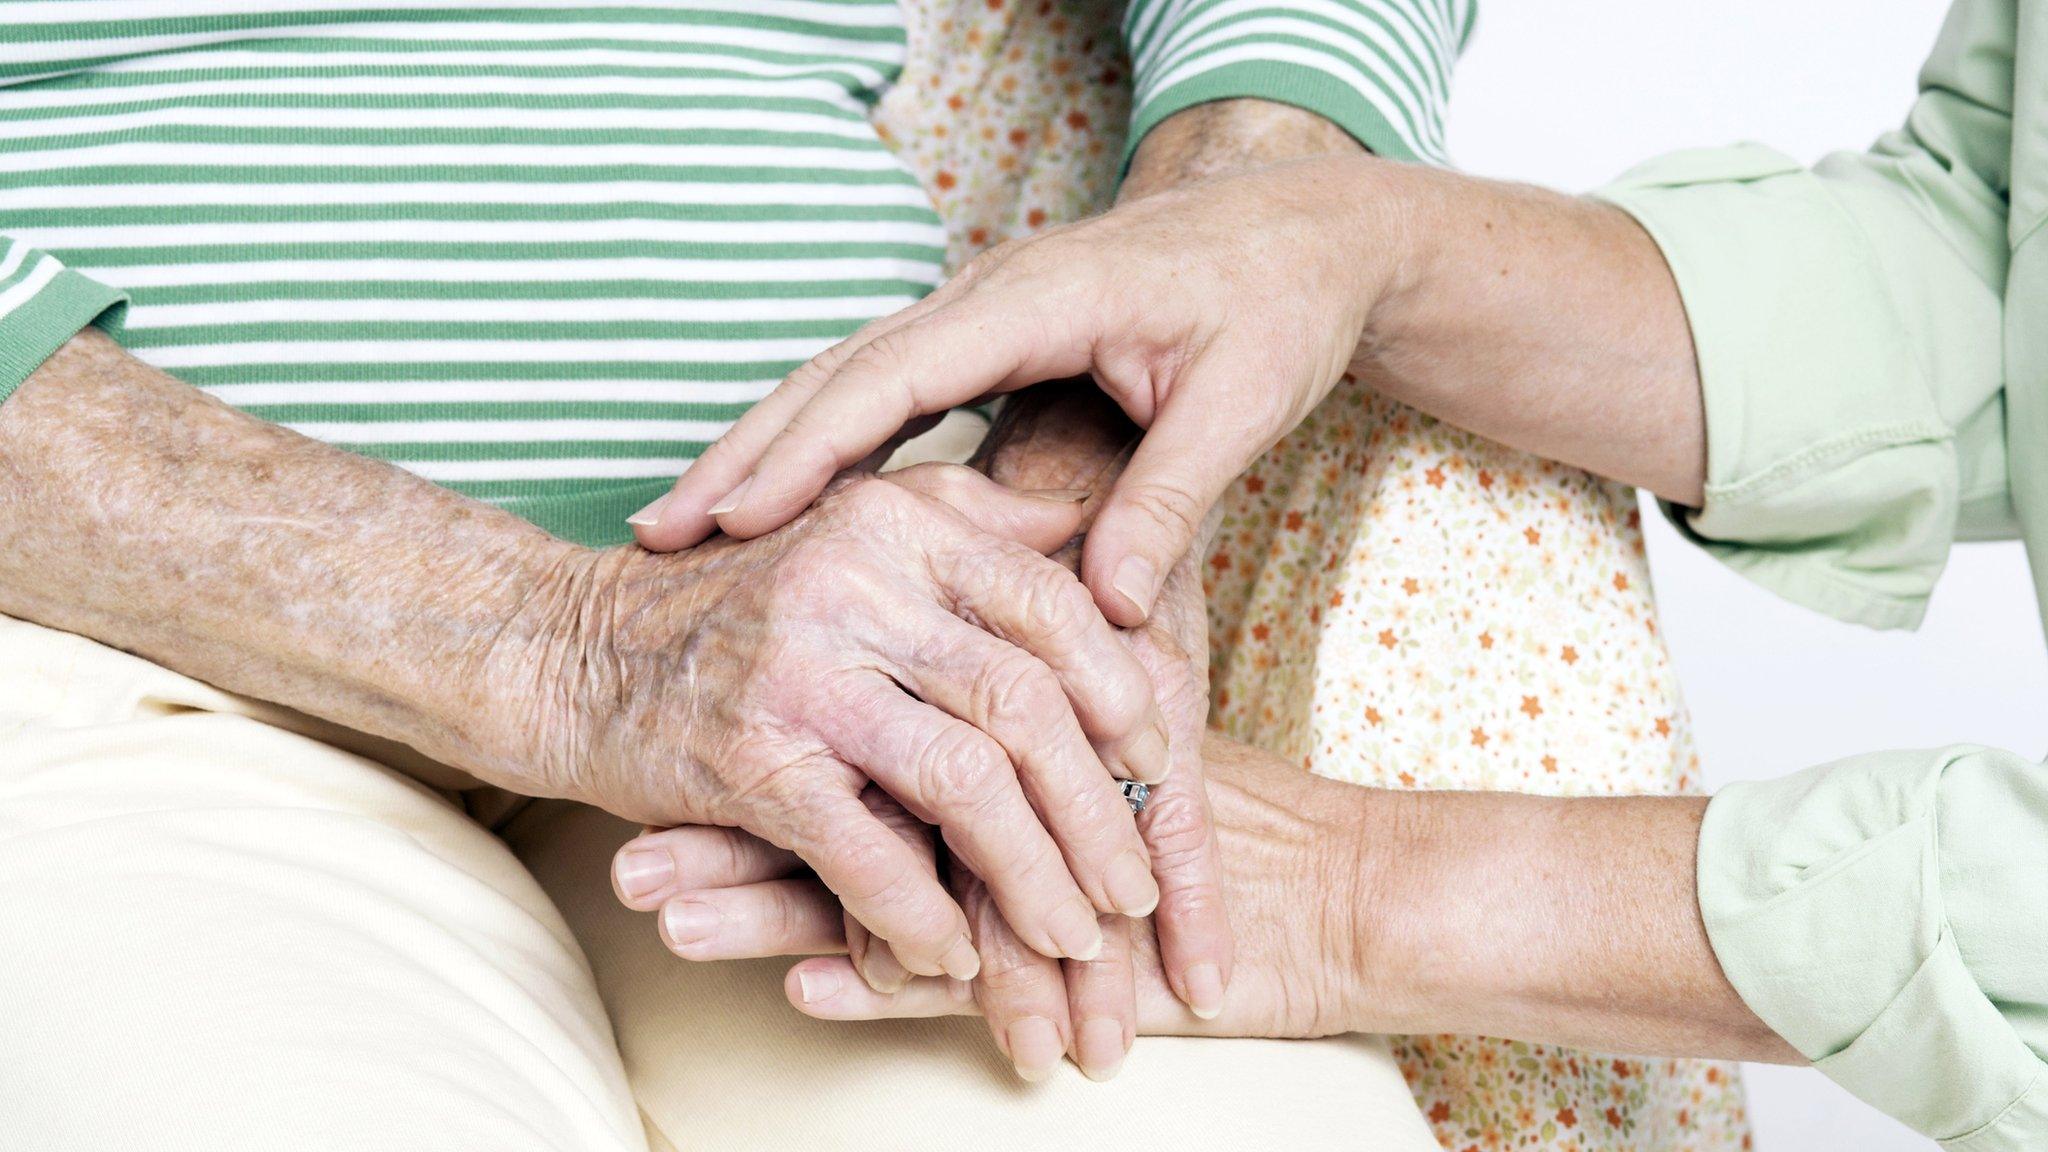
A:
(1379, 69)
(1888, 916)
(42, 305)
(1847, 320)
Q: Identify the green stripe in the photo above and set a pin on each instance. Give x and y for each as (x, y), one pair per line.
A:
(99, 175)
(523, 290)
(361, 331)
(141, 78)
(408, 102)
(394, 372)
(513, 250)
(498, 410)
(335, 45)
(171, 215)
(311, 18)
(1347, 62)
(494, 135)
(526, 450)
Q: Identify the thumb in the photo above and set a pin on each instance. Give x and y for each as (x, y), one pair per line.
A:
(1154, 514)
(1041, 521)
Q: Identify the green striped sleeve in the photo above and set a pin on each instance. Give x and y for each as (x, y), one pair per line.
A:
(1380, 69)
(42, 305)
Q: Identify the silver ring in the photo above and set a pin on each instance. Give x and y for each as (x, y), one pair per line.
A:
(1135, 794)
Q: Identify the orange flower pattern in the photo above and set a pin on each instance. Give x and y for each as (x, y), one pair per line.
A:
(1392, 602)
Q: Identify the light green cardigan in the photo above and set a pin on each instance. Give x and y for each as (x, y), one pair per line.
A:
(1873, 342)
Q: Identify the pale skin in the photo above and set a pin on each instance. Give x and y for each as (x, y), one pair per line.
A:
(1216, 315)
(735, 685)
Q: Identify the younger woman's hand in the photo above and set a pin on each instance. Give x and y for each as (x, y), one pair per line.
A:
(1295, 849)
(1216, 316)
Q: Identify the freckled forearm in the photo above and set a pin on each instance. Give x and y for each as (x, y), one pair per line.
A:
(139, 512)
(1566, 921)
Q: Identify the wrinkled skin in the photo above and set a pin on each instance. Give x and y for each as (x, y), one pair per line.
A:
(762, 684)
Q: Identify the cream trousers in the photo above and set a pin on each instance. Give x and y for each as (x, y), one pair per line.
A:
(224, 926)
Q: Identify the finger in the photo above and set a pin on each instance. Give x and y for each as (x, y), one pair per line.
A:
(871, 956)
(952, 775)
(1196, 945)
(1102, 1002)
(985, 341)
(683, 516)
(830, 989)
(1017, 701)
(772, 918)
(647, 870)
(1041, 521)
(1039, 607)
(1022, 994)
(883, 882)
(1154, 512)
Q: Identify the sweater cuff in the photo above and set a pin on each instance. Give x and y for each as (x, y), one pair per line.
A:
(56, 308)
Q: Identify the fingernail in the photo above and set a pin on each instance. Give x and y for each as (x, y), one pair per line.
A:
(1101, 1048)
(689, 922)
(1034, 1047)
(1137, 580)
(1130, 884)
(1074, 931)
(816, 986)
(961, 962)
(1204, 984)
(642, 872)
(1060, 495)
(732, 498)
(649, 516)
(1146, 756)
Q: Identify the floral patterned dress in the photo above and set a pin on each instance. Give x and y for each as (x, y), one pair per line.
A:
(1392, 602)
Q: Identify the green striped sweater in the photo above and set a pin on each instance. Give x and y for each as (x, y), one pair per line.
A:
(543, 252)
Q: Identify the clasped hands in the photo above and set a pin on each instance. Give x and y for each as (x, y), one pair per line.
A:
(910, 709)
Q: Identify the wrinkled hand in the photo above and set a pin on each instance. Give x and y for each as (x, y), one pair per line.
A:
(882, 637)
(1038, 1008)
(1296, 871)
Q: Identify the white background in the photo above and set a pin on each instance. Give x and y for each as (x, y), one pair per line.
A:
(1568, 93)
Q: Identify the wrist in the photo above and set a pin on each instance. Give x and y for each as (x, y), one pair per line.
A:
(512, 708)
(1226, 136)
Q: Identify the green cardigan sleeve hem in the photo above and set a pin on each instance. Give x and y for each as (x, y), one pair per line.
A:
(1858, 909)
(42, 324)
(1298, 85)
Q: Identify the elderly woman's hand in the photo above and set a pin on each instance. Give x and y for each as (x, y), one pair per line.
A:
(884, 636)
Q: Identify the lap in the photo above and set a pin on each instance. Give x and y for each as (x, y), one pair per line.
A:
(222, 928)
(718, 1059)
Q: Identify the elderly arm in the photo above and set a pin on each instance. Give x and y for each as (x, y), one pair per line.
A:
(760, 685)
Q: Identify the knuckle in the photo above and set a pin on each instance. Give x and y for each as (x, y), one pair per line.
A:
(952, 483)
(1166, 510)
(862, 868)
(961, 771)
(863, 498)
(1017, 692)
(1013, 971)
(1059, 607)
(1177, 830)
